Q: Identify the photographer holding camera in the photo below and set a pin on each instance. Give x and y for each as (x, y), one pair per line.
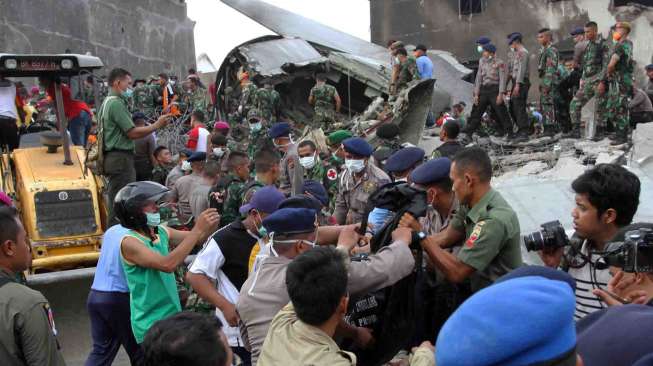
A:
(607, 197)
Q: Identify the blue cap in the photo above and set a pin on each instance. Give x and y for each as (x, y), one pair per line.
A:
(517, 322)
(490, 48)
(513, 37)
(266, 200)
(645, 361)
(649, 67)
(301, 201)
(358, 146)
(197, 156)
(539, 271)
(316, 190)
(281, 129)
(483, 40)
(291, 221)
(616, 336)
(138, 115)
(404, 159)
(432, 171)
(577, 31)
(186, 152)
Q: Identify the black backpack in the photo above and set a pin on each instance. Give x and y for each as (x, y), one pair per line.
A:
(389, 312)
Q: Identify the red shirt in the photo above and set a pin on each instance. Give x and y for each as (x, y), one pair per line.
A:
(71, 107)
(193, 136)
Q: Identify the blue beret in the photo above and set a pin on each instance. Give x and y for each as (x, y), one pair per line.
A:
(513, 37)
(539, 271)
(483, 40)
(577, 31)
(517, 322)
(301, 201)
(432, 171)
(317, 190)
(645, 361)
(615, 336)
(280, 129)
(489, 48)
(266, 200)
(291, 221)
(649, 67)
(358, 146)
(197, 156)
(404, 159)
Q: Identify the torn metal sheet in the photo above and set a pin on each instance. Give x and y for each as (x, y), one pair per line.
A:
(269, 57)
(366, 70)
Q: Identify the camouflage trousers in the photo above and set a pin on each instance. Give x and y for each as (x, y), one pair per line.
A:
(618, 97)
(547, 106)
(323, 119)
(583, 95)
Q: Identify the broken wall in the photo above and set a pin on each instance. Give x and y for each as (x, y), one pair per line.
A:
(143, 36)
(437, 24)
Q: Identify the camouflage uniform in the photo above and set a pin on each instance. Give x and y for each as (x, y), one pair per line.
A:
(144, 100)
(548, 71)
(160, 173)
(407, 73)
(325, 106)
(326, 174)
(198, 100)
(233, 201)
(353, 195)
(249, 189)
(257, 140)
(267, 104)
(592, 64)
(248, 97)
(620, 86)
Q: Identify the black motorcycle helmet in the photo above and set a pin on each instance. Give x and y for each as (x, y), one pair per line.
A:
(129, 202)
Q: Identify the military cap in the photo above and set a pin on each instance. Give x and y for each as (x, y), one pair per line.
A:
(432, 171)
(316, 190)
(539, 271)
(138, 115)
(649, 67)
(265, 199)
(336, 137)
(514, 37)
(404, 159)
(387, 131)
(577, 31)
(197, 156)
(615, 336)
(483, 40)
(280, 129)
(291, 221)
(397, 44)
(512, 34)
(301, 201)
(521, 321)
(221, 125)
(252, 115)
(490, 48)
(357, 146)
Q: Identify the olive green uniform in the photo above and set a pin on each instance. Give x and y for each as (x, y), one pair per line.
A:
(27, 329)
(325, 105)
(353, 195)
(491, 244)
(233, 201)
(144, 100)
(248, 98)
(198, 100)
(407, 73)
(267, 104)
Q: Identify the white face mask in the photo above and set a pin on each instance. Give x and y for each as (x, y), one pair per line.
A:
(355, 165)
(185, 166)
(307, 162)
(404, 179)
(255, 127)
(479, 49)
(397, 61)
(218, 151)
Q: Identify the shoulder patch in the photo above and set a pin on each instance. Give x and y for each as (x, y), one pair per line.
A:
(48, 313)
(476, 232)
(332, 174)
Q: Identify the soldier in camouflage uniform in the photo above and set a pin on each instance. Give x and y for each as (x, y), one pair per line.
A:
(247, 95)
(234, 183)
(327, 103)
(619, 80)
(258, 134)
(197, 98)
(593, 61)
(335, 160)
(407, 70)
(547, 68)
(315, 168)
(144, 99)
(267, 103)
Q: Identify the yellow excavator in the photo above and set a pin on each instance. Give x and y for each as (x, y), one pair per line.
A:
(60, 202)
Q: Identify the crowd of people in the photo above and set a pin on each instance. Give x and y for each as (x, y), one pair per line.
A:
(308, 252)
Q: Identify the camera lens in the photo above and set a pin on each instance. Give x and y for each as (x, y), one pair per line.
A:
(534, 241)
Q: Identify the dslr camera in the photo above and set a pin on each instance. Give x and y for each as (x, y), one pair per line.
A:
(551, 236)
(634, 254)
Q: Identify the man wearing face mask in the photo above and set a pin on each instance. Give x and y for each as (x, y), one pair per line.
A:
(359, 180)
(313, 166)
(400, 164)
(283, 142)
(145, 256)
(119, 132)
(220, 269)
(257, 133)
(180, 169)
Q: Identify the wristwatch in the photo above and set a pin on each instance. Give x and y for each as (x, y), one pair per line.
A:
(421, 235)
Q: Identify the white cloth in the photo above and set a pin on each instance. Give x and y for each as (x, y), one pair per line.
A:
(202, 138)
(8, 101)
(209, 262)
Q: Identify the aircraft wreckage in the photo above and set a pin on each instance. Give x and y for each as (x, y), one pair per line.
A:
(359, 70)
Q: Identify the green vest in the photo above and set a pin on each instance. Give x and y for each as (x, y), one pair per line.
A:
(152, 294)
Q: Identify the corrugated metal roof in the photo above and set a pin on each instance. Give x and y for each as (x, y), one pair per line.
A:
(267, 57)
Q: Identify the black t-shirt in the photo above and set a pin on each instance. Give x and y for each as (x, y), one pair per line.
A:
(236, 245)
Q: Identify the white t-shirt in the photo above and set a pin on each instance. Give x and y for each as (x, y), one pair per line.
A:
(209, 262)
(587, 279)
(8, 101)
(202, 138)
